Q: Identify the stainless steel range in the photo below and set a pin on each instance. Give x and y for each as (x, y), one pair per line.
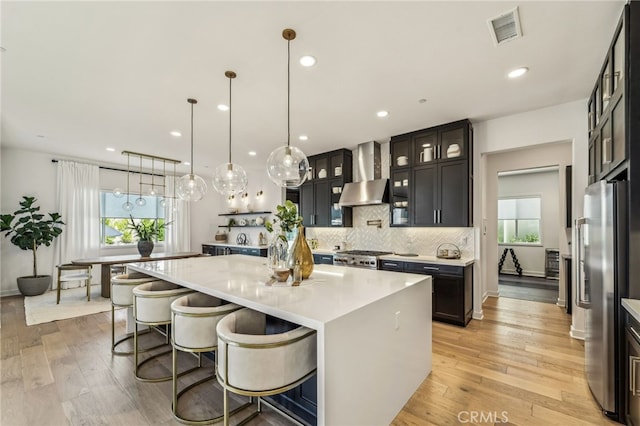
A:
(358, 258)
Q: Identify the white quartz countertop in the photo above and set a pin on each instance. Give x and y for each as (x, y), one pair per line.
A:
(234, 245)
(633, 307)
(465, 261)
(330, 293)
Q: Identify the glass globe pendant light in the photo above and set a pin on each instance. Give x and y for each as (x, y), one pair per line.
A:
(128, 206)
(140, 202)
(229, 178)
(287, 165)
(191, 187)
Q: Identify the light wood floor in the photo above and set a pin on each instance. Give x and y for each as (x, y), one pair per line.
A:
(518, 365)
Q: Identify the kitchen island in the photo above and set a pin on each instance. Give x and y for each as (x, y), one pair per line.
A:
(373, 327)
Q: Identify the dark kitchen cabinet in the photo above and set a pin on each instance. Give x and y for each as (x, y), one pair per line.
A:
(221, 250)
(610, 103)
(322, 259)
(452, 288)
(438, 174)
(319, 195)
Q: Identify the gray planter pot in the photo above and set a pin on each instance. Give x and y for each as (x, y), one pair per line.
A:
(145, 248)
(34, 286)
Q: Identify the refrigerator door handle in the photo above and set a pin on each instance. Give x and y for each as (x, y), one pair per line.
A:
(580, 301)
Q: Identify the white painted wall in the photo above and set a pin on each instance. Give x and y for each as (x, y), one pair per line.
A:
(559, 123)
(545, 185)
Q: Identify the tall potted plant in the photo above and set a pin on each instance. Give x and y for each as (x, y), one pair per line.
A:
(147, 230)
(30, 229)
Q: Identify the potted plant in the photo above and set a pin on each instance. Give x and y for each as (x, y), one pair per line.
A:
(299, 255)
(147, 230)
(30, 229)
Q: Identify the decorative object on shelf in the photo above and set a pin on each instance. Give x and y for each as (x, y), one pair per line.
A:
(191, 187)
(300, 255)
(259, 221)
(453, 151)
(147, 230)
(313, 242)
(29, 231)
(262, 239)
(242, 239)
(287, 165)
(259, 194)
(242, 222)
(448, 251)
(230, 178)
(221, 236)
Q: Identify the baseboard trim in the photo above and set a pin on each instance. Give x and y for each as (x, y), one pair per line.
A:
(478, 315)
(485, 296)
(493, 293)
(561, 302)
(577, 334)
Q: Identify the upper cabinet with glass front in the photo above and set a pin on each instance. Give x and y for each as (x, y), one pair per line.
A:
(608, 106)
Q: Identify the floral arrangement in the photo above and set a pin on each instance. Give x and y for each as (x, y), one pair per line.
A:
(287, 220)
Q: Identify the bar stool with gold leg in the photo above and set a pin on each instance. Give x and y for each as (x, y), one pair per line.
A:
(122, 297)
(152, 307)
(252, 363)
(194, 318)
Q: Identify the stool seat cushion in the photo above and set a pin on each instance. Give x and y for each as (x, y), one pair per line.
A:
(259, 361)
(195, 318)
(152, 301)
(122, 287)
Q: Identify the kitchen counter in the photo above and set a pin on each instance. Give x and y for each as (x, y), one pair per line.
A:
(633, 307)
(465, 261)
(352, 310)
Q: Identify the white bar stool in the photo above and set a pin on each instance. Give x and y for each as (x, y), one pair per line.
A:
(152, 307)
(194, 318)
(252, 363)
(122, 297)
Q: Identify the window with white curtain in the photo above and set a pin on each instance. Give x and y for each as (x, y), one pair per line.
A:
(519, 220)
(114, 220)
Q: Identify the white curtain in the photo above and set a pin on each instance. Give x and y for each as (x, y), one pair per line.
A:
(79, 205)
(177, 236)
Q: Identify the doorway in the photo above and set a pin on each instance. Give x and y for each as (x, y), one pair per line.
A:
(528, 234)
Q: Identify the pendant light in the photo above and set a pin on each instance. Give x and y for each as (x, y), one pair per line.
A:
(191, 187)
(140, 201)
(128, 206)
(153, 191)
(287, 165)
(229, 178)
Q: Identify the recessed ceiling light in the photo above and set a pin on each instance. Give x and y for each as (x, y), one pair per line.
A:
(111, 149)
(382, 114)
(39, 136)
(307, 61)
(421, 101)
(303, 137)
(175, 133)
(186, 163)
(223, 107)
(518, 72)
(253, 153)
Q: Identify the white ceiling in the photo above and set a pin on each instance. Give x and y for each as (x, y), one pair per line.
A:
(78, 77)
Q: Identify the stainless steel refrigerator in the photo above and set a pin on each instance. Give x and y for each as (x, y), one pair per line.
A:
(601, 283)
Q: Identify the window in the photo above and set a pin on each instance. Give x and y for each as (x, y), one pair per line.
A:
(519, 220)
(114, 219)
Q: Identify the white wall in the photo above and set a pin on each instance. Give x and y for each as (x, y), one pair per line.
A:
(545, 185)
(564, 122)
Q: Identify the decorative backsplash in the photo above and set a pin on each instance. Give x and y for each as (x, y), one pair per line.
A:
(423, 241)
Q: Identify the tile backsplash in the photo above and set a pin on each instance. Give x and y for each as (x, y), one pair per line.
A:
(423, 241)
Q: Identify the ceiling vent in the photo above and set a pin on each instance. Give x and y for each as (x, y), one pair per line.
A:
(505, 27)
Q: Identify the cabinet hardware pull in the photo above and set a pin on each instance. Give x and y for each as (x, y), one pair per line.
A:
(326, 258)
(390, 264)
(435, 216)
(633, 360)
(431, 268)
(606, 151)
(635, 333)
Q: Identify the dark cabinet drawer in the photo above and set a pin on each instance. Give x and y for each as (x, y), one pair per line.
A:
(323, 259)
(434, 269)
(391, 265)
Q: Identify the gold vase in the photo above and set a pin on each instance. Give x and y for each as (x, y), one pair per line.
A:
(300, 253)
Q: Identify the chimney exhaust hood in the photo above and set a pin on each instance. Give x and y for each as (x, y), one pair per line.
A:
(370, 188)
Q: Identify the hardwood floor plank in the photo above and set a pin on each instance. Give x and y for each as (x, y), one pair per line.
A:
(35, 368)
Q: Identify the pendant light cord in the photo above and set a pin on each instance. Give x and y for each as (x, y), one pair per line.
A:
(128, 173)
(230, 109)
(140, 182)
(191, 139)
(288, 92)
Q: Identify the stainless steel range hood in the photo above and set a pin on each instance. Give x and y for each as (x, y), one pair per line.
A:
(370, 189)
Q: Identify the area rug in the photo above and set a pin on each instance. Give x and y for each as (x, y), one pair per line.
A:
(73, 303)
